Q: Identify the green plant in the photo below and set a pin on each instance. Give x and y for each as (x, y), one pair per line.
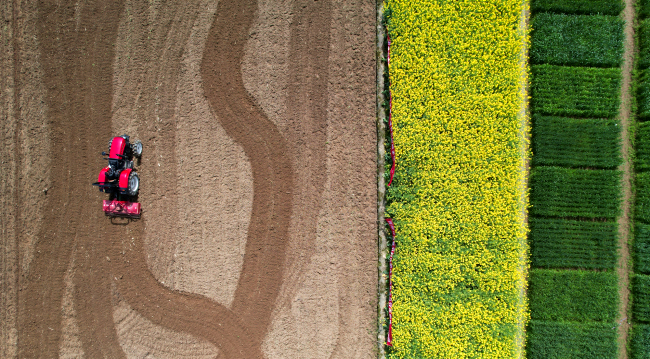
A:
(571, 340)
(643, 94)
(642, 205)
(562, 243)
(569, 142)
(642, 147)
(566, 192)
(573, 295)
(575, 91)
(641, 303)
(561, 39)
(642, 248)
(606, 7)
(640, 341)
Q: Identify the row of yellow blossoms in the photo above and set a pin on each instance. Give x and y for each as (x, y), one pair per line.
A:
(458, 199)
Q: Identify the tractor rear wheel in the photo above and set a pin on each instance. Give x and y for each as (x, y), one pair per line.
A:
(134, 184)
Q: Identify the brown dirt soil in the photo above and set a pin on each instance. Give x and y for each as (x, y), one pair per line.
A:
(625, 221)
(258, 236)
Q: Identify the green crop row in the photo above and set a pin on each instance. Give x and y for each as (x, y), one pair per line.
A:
(579, 40)
(571, 340)
(642, 248)
(607, 7)
(642, 209)
(643, 147)
(573, 295)
(643, 94)
(561, 243)
(644, 44)
(640, 341)
(565, 192)
(561, 141)
(644, 9)
(575, 91)
(641, 294)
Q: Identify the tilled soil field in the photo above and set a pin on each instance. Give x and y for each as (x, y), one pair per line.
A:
(258, 179)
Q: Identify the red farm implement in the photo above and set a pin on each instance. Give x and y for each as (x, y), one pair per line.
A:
(119, 179)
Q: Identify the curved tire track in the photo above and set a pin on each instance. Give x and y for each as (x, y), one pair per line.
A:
(239, 332)
(243, 120)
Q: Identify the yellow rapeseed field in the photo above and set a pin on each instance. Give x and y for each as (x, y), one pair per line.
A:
(458, 199)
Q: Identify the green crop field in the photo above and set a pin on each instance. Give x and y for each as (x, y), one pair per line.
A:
(640, 341)
(641, 294)
(561, 141)
(575, 91)
(643, 147)
(561, 243)
(578, 40)
(643, 94)
(642, 248)
(573, 295)
(644, 44)
(571, 340)
(607, 7)
(565, 192)
(643, 197)
(644, 8)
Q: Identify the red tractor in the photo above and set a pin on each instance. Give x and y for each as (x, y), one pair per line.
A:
(119, 179)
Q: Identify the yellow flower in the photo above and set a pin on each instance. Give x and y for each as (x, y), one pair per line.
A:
(458, 199)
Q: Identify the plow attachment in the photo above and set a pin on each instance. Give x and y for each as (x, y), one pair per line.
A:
(124, 209)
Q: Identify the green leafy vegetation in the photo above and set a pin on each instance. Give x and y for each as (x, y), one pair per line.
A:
(644, 9)
(573, 295)
(642, 211)
(640, 341)
(566, 192)
(644, 44)
(643, 94)
(561, 243)
(642, 248)
(578, 40)
(571, 340)
(561, 141)
(607, 7)
(643, 147)
(641, 293)
(575, 91)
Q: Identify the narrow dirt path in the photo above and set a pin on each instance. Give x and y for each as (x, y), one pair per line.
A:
(625, 220)
(524, 150)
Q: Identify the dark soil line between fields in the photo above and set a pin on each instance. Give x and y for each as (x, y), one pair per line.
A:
(18, 231)
(624, 221)
(382, 250)
(245, 122)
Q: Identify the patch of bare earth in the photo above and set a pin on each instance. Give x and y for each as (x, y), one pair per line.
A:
(625, 220)
(258, 236)
(24, 168)
(324, 106)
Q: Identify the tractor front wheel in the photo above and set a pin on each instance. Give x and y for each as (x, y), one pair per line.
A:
(136, 148)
